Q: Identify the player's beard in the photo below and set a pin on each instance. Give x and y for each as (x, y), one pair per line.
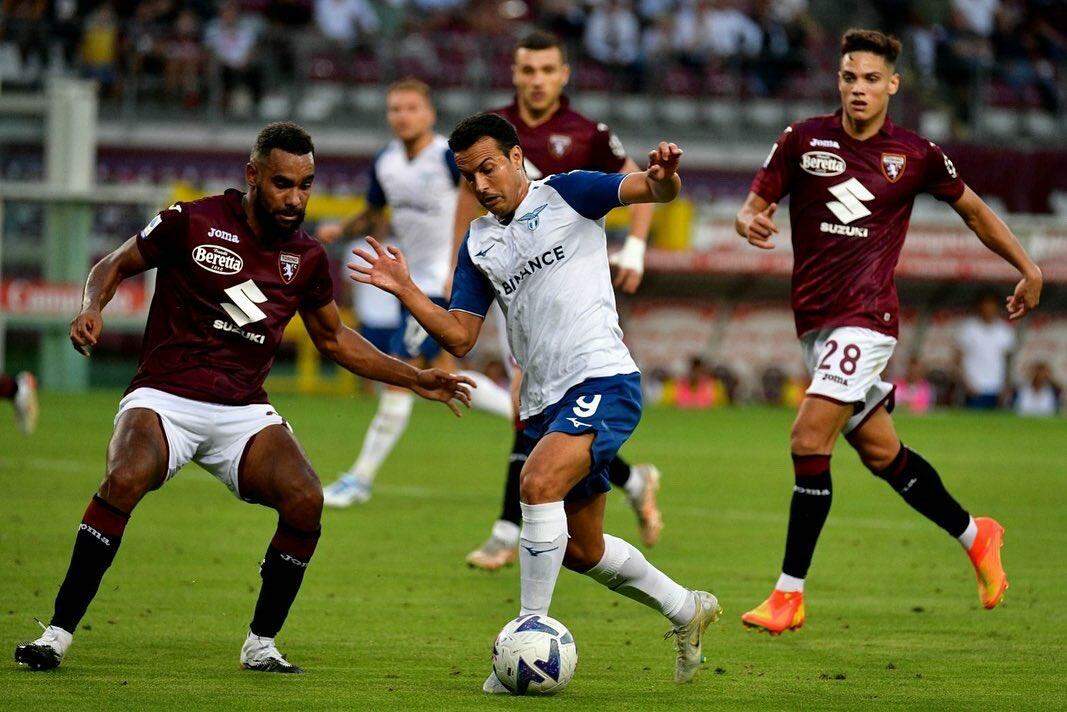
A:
(270, 225)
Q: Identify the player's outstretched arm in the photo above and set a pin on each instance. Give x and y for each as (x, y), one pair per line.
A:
(387, 269)
(351, 351)
(104, 278)
(999, 238)
(755, 222)
(369, 222)
(660, 183)
(629, 262)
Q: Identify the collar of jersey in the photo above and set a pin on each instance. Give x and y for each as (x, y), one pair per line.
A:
(886, 130)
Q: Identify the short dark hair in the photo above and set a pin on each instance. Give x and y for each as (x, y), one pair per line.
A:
(285, 136)
(540, 39)
(885, 46)
(474, 128)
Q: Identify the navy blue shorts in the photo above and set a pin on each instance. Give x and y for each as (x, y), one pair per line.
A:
(381, 337)
(410, 340)
(609, 407)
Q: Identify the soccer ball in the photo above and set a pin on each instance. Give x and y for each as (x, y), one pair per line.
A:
(534, 655)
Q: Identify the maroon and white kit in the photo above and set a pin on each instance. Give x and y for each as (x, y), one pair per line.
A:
(850, 203)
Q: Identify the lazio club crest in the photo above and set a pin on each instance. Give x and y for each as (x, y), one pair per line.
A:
(288, 265)
(893, 166)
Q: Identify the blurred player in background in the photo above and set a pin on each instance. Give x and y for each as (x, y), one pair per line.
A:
(232, 270)
(852, 178)
(556, 139)
(541, 254)
(415, 177)
(21, 390)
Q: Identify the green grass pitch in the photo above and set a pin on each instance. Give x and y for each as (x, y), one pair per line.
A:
(390, 618)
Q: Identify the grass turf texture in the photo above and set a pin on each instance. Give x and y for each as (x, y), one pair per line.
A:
(390, 617)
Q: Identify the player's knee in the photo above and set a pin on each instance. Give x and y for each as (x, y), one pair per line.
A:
(302, 506)
(582, 556)
(537, 487)
(125, 485)
(877, 456)
(807, 440)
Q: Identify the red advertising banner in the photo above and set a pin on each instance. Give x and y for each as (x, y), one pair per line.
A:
(35, 298)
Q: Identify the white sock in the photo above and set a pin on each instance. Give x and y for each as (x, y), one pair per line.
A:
(624, 569)
(488, 396)
(968, 535)
(542, 543)
(389, 423)
(635, 485)
(507, 532)
(58, 637)
(789, 583)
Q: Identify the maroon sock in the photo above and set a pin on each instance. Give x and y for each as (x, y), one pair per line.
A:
(282, 572)
(8, 386)
(95, 546)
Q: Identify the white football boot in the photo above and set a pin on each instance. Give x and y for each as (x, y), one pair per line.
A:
(493, 685)
(26, 406)
(46, 652)
(345, 492)
(261, 655)
(688, 638)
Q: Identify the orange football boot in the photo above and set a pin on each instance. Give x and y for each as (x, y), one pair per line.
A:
(782, 611)
(985, 557)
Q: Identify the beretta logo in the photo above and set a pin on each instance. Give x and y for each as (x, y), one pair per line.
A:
(217, 259)
(822, 163)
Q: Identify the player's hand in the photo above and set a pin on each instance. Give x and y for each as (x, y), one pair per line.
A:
(85, 331)
(1026, 297)
(451, 389)
(663, 161)
(629, 264)
(329, 233)
(386, 268)
(760, 230)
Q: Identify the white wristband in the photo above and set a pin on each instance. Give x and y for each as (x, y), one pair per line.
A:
(631, 256)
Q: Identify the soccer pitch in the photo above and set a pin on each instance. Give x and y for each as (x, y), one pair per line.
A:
(389, 616)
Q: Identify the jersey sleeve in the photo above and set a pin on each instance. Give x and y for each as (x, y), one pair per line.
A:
(941, 179)
(471, 290)
(774, 178)
(375, 194)
(607, 153)
(161, 238)
(453, 169)
(592, 195)
(319, 289)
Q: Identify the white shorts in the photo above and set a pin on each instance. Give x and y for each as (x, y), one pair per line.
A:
(846, 366)
(211, 435)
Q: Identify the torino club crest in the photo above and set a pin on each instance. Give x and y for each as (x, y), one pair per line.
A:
(893, 166)
(560, 144)
(288, 264)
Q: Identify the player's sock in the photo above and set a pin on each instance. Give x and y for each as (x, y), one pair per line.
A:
(488, 396)
(624, 569)
(542, 543)
(918, 483)
(389, 423)
(812, 494)
(8, 387)
(520, 450)
(619, 471)
(95, 545)
(282, 571)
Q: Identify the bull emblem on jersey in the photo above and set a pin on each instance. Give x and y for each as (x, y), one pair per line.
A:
(288, 266)
(560, 144)
(893, 166)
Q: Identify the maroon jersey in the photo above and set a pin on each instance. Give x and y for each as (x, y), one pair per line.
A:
(849, 207)
(222, 300)
(567, 141)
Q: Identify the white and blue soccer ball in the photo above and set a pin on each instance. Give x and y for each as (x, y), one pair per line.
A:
(534, 655)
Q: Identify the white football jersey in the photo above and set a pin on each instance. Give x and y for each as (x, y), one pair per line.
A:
(421, 194)
(548, 269)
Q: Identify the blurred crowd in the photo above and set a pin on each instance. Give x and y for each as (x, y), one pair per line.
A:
(958, 52)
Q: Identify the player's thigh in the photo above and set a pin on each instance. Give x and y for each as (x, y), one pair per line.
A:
(585, 525)
(276, 472)
(558, 462)
(137, 458)
(817, 425)
(876, 440)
